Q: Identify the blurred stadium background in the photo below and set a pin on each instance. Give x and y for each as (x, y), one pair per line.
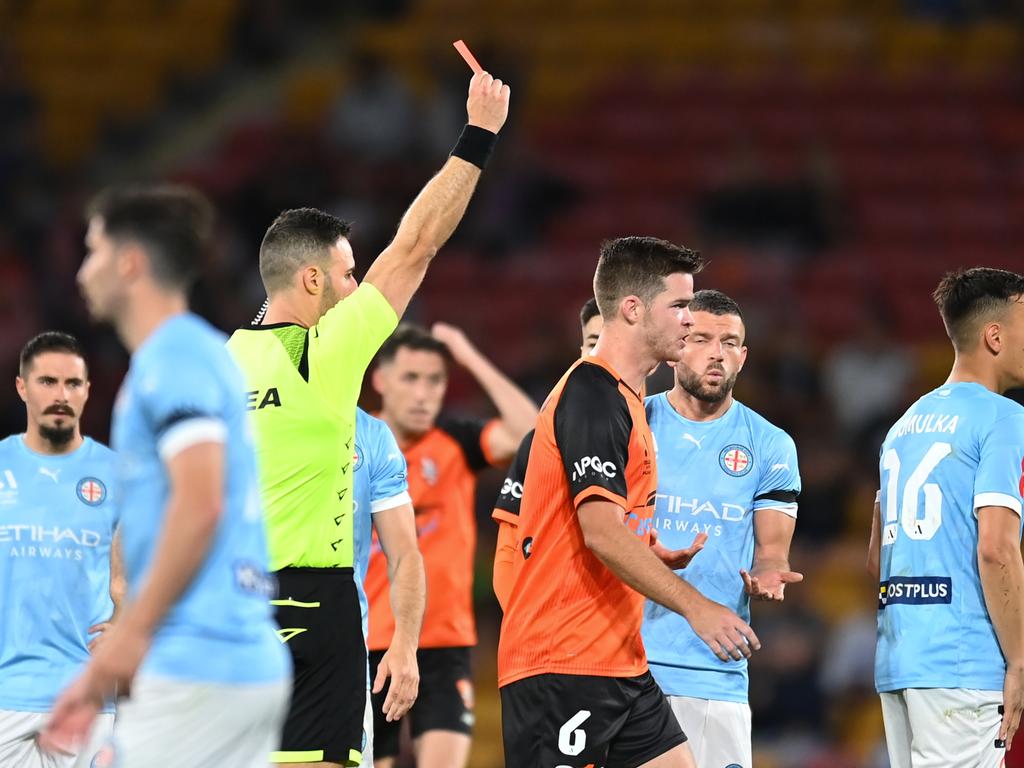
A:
(831, 157)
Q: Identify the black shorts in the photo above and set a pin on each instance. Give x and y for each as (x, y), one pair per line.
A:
(445, 701)
(321, 624)
(581, 720)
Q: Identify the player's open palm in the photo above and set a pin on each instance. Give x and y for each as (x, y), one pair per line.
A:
(725, 633)
(769, 583)
(487, 106)
(1013, 703)
(678, 558)
(399, 663)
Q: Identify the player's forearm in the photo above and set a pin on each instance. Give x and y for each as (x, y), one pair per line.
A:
(186, 537)
(1002, 581)
(874, 564)
(635, 564)
(118, 583)
(504, 555)
(408, 594)
(517, 411)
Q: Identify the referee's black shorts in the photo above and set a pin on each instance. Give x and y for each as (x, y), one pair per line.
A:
(320, 623)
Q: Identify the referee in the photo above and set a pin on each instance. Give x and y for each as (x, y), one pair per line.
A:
(304, 367)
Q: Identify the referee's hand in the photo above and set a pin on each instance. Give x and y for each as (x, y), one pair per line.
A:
(487, 105)
(398, 663)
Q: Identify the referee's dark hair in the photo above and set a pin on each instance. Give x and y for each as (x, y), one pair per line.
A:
(49, 341)
(715, 303)
(968, 297)
(295, 239)
(638, 266)
(171, 223)
(414, 337)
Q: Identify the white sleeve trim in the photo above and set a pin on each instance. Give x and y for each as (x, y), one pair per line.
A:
(191, 432)
(996, 500)
(382, 505)
(786, 509)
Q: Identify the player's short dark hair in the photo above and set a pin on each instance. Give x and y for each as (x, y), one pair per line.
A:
(171, 223)
(967, 296)
(49, 341)
(414, 337)
(588, 311)
(638, 266)
(715, 303)
(297, 238)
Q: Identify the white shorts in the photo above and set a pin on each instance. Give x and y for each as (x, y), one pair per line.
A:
(718, 731)
(200, 725)
(368, 732)
(942, 727)
(19, 748)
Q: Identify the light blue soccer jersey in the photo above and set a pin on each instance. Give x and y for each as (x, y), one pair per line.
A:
(958, 448)
(182, 389)
(712, 477)
(57, 520)
(380, 482)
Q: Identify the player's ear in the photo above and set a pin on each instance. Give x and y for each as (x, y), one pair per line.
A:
(743, 358)
(631, 309)
(131, 261)
(377, 380)
(19, 384)
(992, 338)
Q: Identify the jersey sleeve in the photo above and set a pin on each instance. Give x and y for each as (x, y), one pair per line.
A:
(592, 430)
(183, 402)
(999, 481)
(348, 336)
(780, 480)
(389, 477)
(471, 436)
(506, 508)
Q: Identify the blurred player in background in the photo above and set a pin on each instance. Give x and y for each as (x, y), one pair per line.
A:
(60, 578)
(575, 687)
(304, 367)
(194, 646)
(506, 508)
(945, 542)
(728, 476)
(381, 503)
(444, 455)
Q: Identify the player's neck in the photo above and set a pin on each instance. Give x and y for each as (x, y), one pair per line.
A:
(968, 370)
(36, 443)
(629, 358)
(145, 313)
(694, 409)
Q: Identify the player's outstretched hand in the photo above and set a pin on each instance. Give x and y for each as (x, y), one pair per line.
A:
(725, 633)
(677, 558)
(73, 715)
(398, 663)
(769, 583)
(1013, 703)
(487, 106)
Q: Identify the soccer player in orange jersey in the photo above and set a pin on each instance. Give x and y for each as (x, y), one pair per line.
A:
(575, 687)
(444, 455)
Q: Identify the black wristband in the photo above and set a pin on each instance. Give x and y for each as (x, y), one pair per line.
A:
(475, 145)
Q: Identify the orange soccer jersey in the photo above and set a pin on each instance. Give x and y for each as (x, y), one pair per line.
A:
(442, 483)
(567, 613)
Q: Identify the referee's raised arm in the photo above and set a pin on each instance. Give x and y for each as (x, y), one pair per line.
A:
(435, 213)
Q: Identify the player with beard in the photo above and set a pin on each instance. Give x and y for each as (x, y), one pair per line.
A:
(59, 583)
(729, 476)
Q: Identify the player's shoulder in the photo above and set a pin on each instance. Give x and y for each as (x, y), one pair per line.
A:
(370, 429)
(185, 339)
(9, 446)
(96, 450)
(761, 429)
(588, 383)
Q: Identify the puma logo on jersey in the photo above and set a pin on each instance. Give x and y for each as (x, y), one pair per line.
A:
(254, 401)
(692, 439)
(53, 474)
(779, 466)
